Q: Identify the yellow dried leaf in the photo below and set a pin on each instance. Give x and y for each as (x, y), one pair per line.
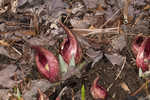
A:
(147, 7)
(125, 87)
(3, 43)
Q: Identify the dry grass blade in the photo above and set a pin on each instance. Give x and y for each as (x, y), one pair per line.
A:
(121, 68)
(110, 18)
(139, 89)
(125, 9)
(35, 23)
(61, 92)
(109, 87)
(96, 31)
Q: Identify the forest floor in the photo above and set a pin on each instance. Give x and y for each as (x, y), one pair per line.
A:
(104, 29)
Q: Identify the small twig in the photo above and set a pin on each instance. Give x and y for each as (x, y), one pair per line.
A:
(91, 30)
(146, 87)
(123, 65)
(138, 90)
(72, 94)
(110, 87)
(121, 68)
(110, 18)
(97, 31)
(24, 31)
(111, 31)
(61, 92)
(16, 51)
(66, 19)
(125, 10)
(107, 30)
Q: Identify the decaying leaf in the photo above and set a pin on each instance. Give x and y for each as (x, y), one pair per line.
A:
(90, 3)
(125, 9)
(119, 42)
(83, 41)
(6, 74)
(41, 41)
(3, 51)
(77, 7)
(94, 55)
(21, 2)
(42, 84)
(4, 95)
(80, 24)
(115, 59)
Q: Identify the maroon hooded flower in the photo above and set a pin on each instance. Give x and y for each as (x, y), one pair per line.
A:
(143, 56)
(47, 63)
(136, 44)
(70, 47)
(97, 91)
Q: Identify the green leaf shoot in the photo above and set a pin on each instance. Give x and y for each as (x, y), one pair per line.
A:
(63, 65)
(83, 93)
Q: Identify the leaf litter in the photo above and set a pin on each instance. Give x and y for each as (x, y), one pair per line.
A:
(115, 23)
(7, 73)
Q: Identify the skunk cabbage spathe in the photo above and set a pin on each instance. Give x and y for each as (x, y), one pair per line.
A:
(47, 63)
(143, 56)
(97, 91)
(70, 47)
(136, 44)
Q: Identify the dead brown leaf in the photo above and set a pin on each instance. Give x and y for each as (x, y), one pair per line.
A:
(41, 84)
(115, 59)
(6, 74)
(94, 55)
(119, 42)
